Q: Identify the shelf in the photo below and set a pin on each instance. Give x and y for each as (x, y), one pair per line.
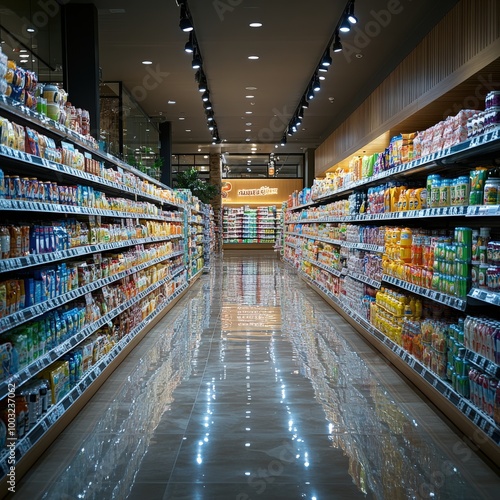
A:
(331, 270)
(484, 364)
(485, 296)
(359, 246)
(54, 208)
(20, 111)
(442, 298)
(44, 361)
(465, 406)
(41, 308)
(364, 279)
(56, 411)
(486, 143)
(32, 163)
(14, 264)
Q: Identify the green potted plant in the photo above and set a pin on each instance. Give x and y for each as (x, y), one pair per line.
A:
(203, 190)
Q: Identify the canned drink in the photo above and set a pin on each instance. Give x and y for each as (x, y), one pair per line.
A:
(481, 278)
(464, 251)
(17, 188)
(46, 191)
(461, 287)
(463, 235)
(25, 182)
(461, 268)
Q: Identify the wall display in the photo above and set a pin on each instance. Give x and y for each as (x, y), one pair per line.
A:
(425, 293)
(251, 225)
(92, 254)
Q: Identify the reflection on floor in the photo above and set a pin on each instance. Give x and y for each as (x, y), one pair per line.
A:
(253, 388)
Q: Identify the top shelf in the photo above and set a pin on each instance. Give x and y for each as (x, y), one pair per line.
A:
(29, 116)
(481, 145)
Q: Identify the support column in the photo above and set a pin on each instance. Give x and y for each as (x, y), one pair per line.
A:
(309, 167)
(81, 59)
(166, 152)
(216, 179)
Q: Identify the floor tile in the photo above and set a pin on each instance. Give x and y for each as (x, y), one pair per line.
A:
(252, 387)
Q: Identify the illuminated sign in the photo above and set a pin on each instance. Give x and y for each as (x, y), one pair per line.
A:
(262, 191)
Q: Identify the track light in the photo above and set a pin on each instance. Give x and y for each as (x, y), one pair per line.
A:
(189, 47)
(210, 115)
(185, 23)
(211, 126)
(196, 61)
(207, 105)
(323, 69)
(206, 96)
(345, 27)
(350, 16)
(310, 94)
(327, 59)
(304, 103)
(283, 140)
(337, 44)
(316, 84)
(202, 85)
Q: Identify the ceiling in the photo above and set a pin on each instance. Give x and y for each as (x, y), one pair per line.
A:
(290, 44)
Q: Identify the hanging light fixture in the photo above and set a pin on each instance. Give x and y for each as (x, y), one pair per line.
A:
(189, 47)
(345, 27)
(206, 96)
(327, 59)
(337, 44)
(350, 16)
(185, 23)
(304, 104)
(316, 84)
(196, 60)
(207, 105)
(283, 140)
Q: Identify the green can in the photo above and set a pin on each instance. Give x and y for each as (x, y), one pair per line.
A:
(463, 235)
(461, 268)
(464, 251)
(461, 287)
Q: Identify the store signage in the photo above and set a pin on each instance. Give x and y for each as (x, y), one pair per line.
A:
(262, 191)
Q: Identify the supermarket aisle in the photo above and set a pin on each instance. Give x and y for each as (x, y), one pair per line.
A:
(253, 388)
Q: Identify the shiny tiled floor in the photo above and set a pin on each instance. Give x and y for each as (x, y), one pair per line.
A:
(253, 388)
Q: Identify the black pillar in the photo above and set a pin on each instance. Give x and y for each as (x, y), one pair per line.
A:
(166, 152)
(81, 59)
(309, 170)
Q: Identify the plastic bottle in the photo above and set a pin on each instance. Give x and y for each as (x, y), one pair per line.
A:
(405, 245)
(4, 242)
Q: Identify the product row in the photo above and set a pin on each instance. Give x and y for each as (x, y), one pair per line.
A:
(35, 398)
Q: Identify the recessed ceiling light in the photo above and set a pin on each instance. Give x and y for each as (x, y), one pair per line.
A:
(248, 124)
(250, 88)
(255, 25)
(30, 30)
(171, 102)
(247, 139)
(253, 58)
(248, 112)
(181, 118)
(23, 50)
(249, 96)
(188, 130)
(147, 130)
(248, 130)
(147, 62)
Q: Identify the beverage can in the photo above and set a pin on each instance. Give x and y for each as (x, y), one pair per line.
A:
(461, 268)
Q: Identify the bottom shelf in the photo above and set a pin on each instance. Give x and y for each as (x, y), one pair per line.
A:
(479, 427)
(22, 453)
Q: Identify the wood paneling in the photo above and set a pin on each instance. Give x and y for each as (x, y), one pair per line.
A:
(456, 54)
